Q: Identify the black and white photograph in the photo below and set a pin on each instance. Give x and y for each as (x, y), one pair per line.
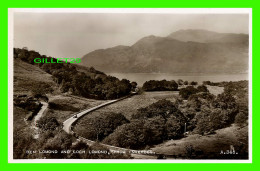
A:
(131, 85)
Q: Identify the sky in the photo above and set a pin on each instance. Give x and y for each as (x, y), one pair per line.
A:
(72, 35)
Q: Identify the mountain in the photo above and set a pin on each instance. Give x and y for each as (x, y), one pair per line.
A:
(184, 51)
(204, 36)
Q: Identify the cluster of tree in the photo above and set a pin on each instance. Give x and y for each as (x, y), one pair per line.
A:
(185, 93)
(239, 90)
(206, 113)
(219, 84)
(151, 125)
(163, 85)
(181, 82)
(211, 83)
(46, 123)
(90, 83)
(218, 113)
(101, 126)
(27, 103)
(201, 113)
(54, 139)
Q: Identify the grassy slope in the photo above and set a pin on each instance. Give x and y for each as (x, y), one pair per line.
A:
(26, 76)
(71, 105)
(210, 144)
(19, 124)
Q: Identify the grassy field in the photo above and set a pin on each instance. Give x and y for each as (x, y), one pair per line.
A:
(209, 144)
(215, 89)
(68, 105)
(128, 106)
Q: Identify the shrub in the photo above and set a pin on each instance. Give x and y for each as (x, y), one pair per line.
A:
(46, 123)
(241, 119)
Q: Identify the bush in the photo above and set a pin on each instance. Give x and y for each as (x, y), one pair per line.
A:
(46, 123)
(241, 119)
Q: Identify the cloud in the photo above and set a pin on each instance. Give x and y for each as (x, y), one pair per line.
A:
(75, 34)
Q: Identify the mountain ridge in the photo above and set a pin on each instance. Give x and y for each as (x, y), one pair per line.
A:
(187, 51)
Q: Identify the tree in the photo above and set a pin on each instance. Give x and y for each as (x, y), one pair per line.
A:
(187, 92)
(202, 88)
(174, 128)
(180, 82)
(134, 85)
(241, 119)
(163, 108)
(101, 126)
(193, 83)
(129, 135)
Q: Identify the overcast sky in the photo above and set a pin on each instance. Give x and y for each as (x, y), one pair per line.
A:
(74, 35)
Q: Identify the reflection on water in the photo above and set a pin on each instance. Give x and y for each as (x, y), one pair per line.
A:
(140, 78)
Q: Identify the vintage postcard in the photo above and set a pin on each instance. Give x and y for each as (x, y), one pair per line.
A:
(130, 85)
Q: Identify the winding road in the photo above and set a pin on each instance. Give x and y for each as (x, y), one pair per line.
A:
(69, 122)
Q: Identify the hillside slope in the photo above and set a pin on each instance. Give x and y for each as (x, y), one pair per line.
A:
(29, 77)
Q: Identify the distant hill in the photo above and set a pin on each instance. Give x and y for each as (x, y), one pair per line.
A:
(184, 51)
(204, 36)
